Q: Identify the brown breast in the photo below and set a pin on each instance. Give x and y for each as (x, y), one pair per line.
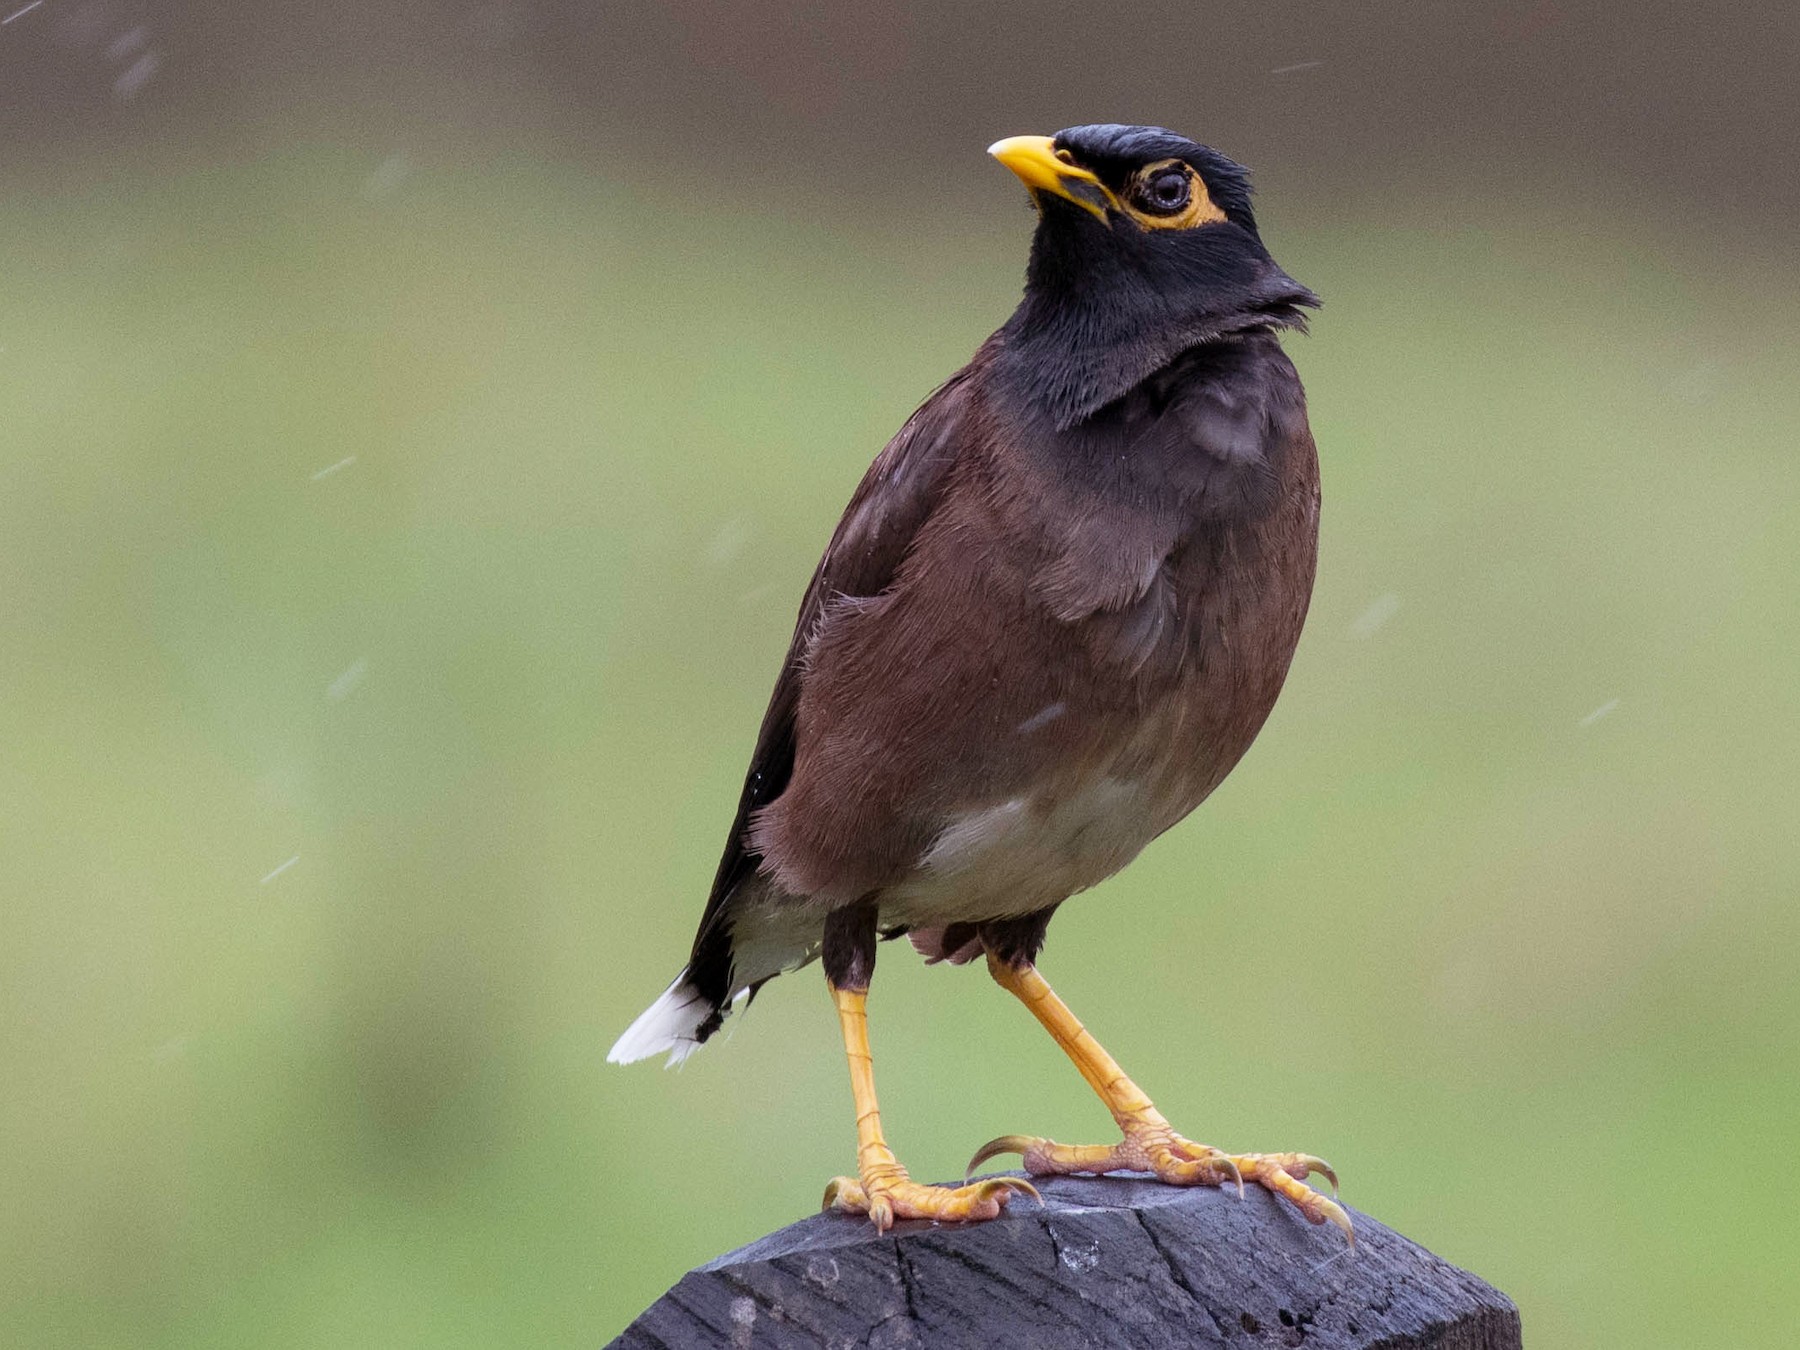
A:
(1085, 637)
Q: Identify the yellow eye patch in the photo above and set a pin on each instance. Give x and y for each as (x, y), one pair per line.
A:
(1151, 199)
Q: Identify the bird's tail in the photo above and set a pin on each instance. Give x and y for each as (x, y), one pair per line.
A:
(675, 1024)
(728, 965)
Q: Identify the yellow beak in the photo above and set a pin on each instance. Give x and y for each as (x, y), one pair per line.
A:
(1034, 159)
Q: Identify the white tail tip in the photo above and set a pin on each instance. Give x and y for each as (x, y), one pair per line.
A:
(671, 1026)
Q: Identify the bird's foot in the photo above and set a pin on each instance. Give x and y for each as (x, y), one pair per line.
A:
(885, 1193)
(1151, 1146)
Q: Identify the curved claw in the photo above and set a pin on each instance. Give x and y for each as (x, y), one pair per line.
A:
(1322, 1168)
(1187, 1151)
(1237, 1173)
(1006, 1143)
(1300, 1166)
(843, 1188)
(994, 1185)
(1335, 1213)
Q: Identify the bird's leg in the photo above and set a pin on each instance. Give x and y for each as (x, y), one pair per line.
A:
(881, 1188)
(1150, 1143)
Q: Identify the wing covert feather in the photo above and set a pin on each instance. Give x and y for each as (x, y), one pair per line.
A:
(894, 499)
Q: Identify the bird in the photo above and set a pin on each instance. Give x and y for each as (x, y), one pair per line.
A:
(1054, 616)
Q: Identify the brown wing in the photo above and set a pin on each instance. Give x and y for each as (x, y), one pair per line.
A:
(893, 500)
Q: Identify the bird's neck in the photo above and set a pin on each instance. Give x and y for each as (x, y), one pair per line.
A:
(1079, 340)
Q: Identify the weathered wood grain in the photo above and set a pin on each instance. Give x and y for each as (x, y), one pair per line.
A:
(1105, 1262)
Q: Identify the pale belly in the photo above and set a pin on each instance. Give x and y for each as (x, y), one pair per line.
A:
(1066, 833)
(1025, 853)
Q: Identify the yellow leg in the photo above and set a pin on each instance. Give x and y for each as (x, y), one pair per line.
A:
(1150, 1143)
(881, 1189)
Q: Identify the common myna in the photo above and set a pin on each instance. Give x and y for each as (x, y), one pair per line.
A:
(1056, 613)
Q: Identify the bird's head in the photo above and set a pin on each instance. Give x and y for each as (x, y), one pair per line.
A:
(1146, 245)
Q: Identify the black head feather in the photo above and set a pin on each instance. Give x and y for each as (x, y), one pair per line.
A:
(1107, 303)
(1114, 152)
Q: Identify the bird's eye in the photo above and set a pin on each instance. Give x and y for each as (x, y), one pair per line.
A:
(1164, 192)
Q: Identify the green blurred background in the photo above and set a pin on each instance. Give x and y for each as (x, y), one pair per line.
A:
(417, 424)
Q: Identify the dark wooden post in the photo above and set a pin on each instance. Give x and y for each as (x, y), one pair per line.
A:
(1104, 1262)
